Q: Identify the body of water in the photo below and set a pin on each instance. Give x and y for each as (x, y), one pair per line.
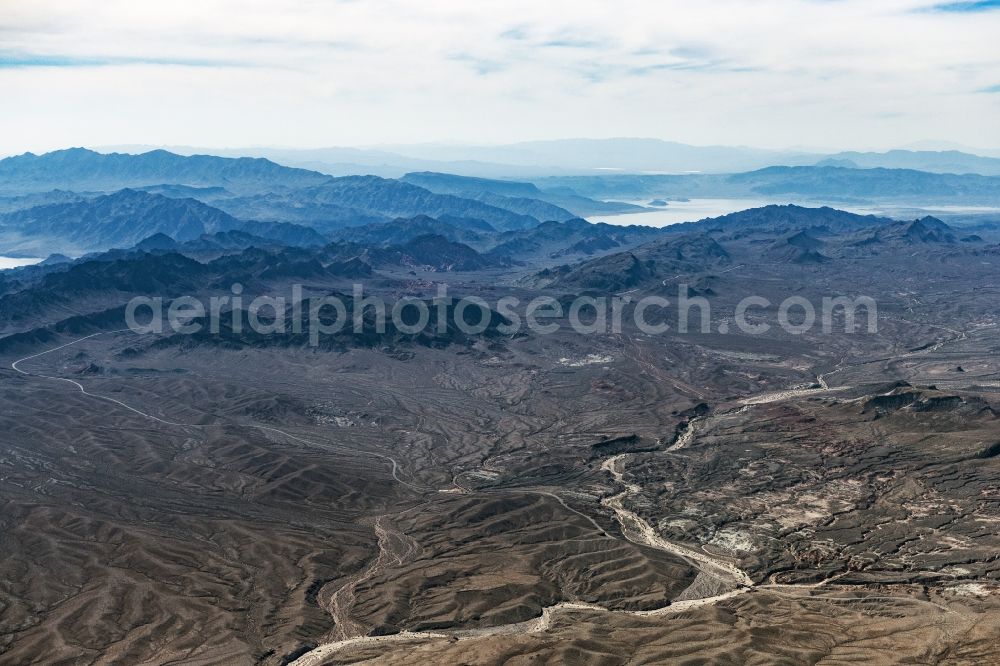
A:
(698, 209)
(16, 262)
(681, 211)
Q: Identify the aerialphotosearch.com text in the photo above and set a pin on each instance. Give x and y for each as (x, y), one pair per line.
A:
(359, 313)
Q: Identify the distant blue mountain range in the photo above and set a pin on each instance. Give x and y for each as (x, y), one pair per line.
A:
(77, 200)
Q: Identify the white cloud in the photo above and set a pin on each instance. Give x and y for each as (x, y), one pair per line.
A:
(772, 73)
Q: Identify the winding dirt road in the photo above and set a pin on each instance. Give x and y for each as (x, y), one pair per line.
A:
(263, 428)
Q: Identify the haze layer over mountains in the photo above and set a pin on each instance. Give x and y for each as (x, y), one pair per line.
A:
(587, 156)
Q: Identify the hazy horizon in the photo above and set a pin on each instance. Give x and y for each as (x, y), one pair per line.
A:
(414, 149)
(919, 145)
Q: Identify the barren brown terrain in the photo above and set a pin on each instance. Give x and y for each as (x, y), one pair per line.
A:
(713, 497)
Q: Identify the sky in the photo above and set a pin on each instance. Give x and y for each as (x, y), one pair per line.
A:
(830, 74)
